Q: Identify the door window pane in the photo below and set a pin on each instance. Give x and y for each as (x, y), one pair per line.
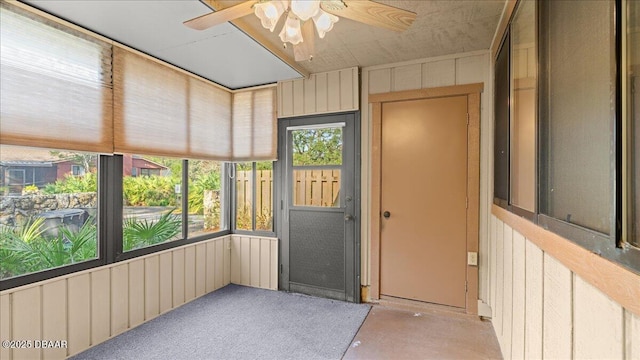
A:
(317, 146)
(206, 197)
(316, 187)
(152, 200)
(317, 156)
(48, 215)
(577, 113)
(523, 112)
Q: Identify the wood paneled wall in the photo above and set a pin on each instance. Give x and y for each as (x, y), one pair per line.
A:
(254, 261)
(321, 93)
(457, 69)
(89, 307)
(542, 309)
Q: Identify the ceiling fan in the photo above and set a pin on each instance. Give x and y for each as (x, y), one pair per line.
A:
(301, 16)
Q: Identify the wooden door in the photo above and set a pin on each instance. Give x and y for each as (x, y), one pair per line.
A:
(424, 200)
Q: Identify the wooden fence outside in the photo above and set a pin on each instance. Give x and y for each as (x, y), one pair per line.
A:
(311, 188)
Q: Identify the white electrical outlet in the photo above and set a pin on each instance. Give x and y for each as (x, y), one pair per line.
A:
(472, 258)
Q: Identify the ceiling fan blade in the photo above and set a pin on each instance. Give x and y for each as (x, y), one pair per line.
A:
(375, 14)
(221, 16)
(305, 50)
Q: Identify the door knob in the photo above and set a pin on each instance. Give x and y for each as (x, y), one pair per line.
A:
(386, 214)
(348, 217)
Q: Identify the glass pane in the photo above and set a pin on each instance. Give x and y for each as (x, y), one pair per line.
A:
(152, 200)
(264, 196)
(523, 113)
(244, 196)
(316, 188)
(317, 146)
(47, 214)
(501, 129)
(206, 197)
(633, 73)
(578, 113)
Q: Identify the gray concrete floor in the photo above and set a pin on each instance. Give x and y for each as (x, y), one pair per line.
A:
(393, 333)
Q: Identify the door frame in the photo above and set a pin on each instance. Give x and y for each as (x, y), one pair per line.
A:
(281, 196)
(472, 91)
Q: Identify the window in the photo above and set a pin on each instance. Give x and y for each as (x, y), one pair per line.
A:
(77, 170)
(578, 113)
(254, 196)
(573, 122)
(152, 205)
(522, 150)
(501, 127)
(49, 225)
(632, 106)
(207, 200)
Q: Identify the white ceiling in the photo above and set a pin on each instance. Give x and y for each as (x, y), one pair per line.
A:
(227, 56)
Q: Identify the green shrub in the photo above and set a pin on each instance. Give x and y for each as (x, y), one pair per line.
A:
(73, 184)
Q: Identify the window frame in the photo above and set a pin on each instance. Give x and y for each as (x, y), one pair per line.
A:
(610, 246)
(234, 203)
(109, 220)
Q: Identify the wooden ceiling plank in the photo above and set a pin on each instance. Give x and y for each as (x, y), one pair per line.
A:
(376, 14)
(305, 50)
(218, 17)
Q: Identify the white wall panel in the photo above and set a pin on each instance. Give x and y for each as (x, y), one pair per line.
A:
(26, 320)
(327, 92)
(379, 81)
(54, 318)
(100, 305)
(254, 262)
(533, 300)
(119, 299)
(507, 302)
(407, 77)
(518, 312)
(632, 332)
(189, 273)
(5, 325)
(439, 73)
(557, 314)
(79, 313)
(136, 292)
(593, 312)
(151, 287)
(177, 259)
(471, 69)
(166, 282)
(298, 97)
(201, 269)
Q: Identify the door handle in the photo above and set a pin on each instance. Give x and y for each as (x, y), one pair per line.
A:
(386, 214)
(348, 217)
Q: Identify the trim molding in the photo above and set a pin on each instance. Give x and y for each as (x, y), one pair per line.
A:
(613, 280)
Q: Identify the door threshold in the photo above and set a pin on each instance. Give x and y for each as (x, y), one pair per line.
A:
(418, 306)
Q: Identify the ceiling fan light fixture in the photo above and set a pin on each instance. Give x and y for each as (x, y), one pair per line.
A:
(305, 9)
(269, 12)
(324, 22)
(291, 31)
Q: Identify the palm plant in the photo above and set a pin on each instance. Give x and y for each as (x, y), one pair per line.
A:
(27, 249)
(142, 233)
